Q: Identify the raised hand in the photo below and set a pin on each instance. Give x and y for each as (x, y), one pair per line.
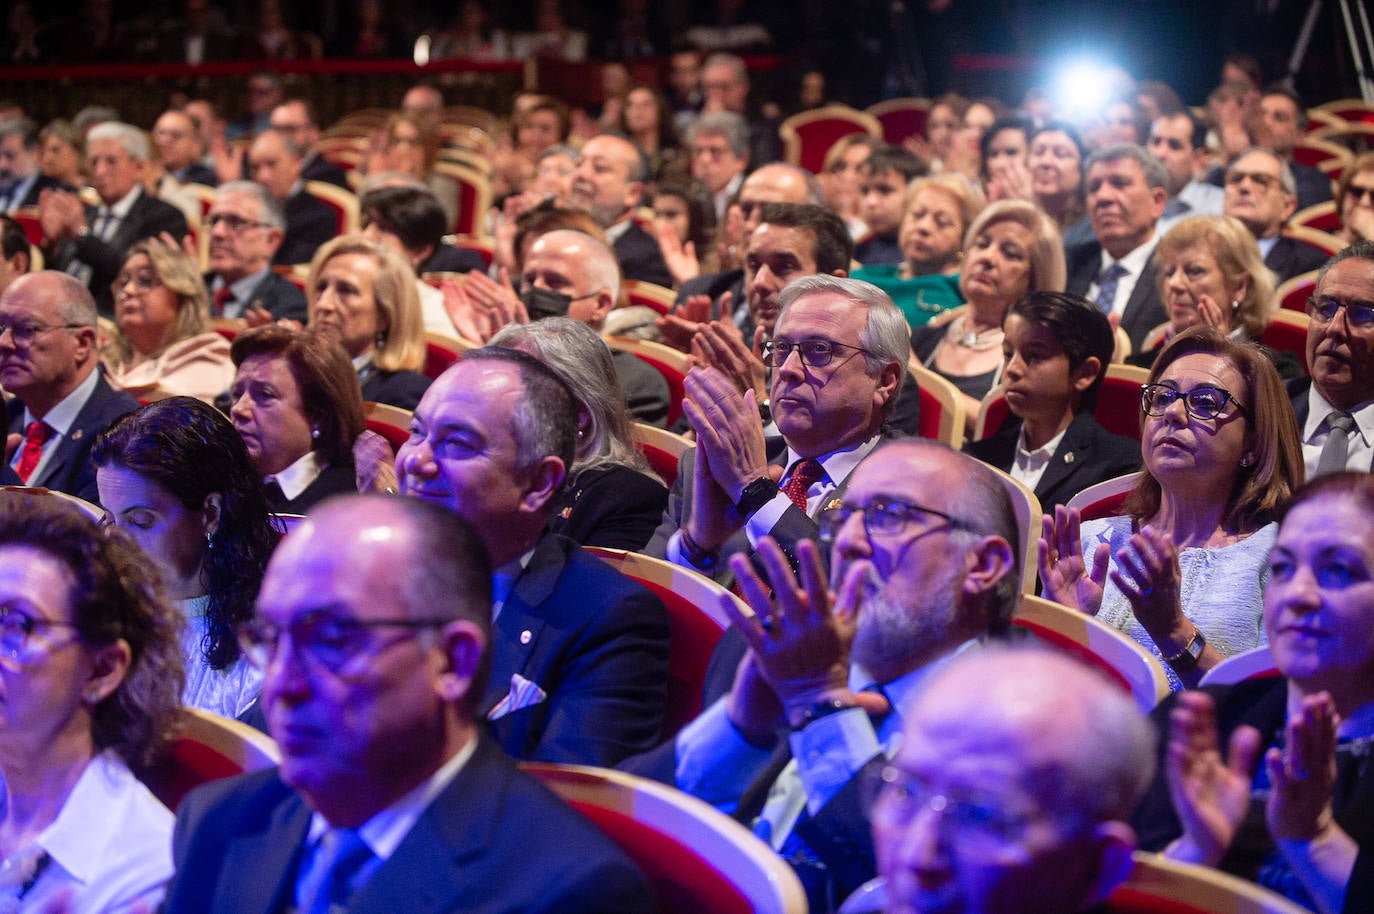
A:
(721, 345)
(1064, 573)
(729, 430)
(1148, 575)
(1304, 776)
(1210, 794)
(681, 258)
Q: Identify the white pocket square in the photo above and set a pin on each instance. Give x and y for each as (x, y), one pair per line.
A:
(523, 694)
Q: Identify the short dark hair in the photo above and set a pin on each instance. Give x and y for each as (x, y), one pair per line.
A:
(894, 158)
(412, 214)
(1360, 250)
(834, 246)
(13, 240)
(1292, 95)
(189, 449)
(1079, 327)
(329, 386)
(1069, 130)
(115, 595)
(1013, 121)
(544, 423)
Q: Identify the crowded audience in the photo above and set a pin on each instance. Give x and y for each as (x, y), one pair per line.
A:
(622, 307)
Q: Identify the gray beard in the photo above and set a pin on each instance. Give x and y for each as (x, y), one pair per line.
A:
(890, 636)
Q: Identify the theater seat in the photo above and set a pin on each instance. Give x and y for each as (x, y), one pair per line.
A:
(207, 748)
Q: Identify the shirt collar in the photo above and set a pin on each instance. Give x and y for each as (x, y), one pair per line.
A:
(61, 416)
(902, 691)
(122, 206)
(77, 840)
(385, 831)
(296, 478)
(1318, 408)
(839, 464)
(615, 232)
(1044, 452)
(241, 289)
(1135, 261)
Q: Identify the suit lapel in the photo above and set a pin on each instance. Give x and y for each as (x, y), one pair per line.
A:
(519, 625)
(1074, 451)
(75, 439)
(259, 875)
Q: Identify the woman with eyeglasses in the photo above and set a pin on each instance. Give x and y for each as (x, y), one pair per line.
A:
(1355, 200)
(176, 476)
(165, 345)
(1183, 569)
(1272, 779)
(363, 295)
(90, 671)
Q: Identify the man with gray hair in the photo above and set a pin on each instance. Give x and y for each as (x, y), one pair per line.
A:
(20, 180)
(246, 226)
(1012, 788)
(838, 354)
(725, 87)
(568, 273)
(1262, 193)
(275, 161)
(1126, 188)
(923, 551)
(609, 183)
(49, 363)
(719, 144)
(89, 242)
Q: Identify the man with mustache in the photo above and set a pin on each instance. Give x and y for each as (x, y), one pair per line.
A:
(1335, 405)
(609, 184)
(923, 553)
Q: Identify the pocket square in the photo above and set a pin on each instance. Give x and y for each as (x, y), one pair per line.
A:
(523, 694)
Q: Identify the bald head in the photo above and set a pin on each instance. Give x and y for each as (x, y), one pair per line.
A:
(56, 315)
(777, 182)
(577, 265)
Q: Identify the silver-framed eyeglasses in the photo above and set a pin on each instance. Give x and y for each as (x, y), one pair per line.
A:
(233, 223)
(815, 353)
(1323, 310)
(16, 626)
(323, 640)
(1205, 401)
(25, 331)
(979, 818)
(883, 517)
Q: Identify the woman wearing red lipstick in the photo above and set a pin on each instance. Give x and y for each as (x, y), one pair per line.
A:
(1056, 348)
(1183, 569)
(1290, 802)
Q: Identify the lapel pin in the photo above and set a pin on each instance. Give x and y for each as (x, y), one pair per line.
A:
(1068, 457)
(526, 636)
(833, 503)
(76, 435)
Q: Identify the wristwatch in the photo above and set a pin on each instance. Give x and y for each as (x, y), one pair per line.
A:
(1187, 658)
(817, 711)
(755, 495)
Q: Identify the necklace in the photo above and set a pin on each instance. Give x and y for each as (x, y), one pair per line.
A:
(979, 341)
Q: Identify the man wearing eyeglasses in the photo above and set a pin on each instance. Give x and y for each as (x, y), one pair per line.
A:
(1335, 404)
(60, 399)
(1262, 193)
(923, 564)
(1012, 788)
(389, 796)
(838, 356)
(246, 226)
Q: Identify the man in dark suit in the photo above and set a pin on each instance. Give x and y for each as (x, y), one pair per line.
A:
(1260, 192)
(1337, 399)
(178, 146)
(89, 241)
(389, 797)
(924, 552)
(609, 183)
(1126, 195)
(275, 162)
(1284, 117)
(296, 119)
(579, 655)
(20, 180)
(246, 226)
(49, 364)
(828, 402)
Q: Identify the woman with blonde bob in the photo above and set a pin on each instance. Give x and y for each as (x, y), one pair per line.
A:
(1211, 272)
(363, 295)
(937, 212)
(164, 341)
(1012, 248)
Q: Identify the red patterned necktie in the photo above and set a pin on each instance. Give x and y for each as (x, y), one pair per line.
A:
(35, 434)
(223, 296)
(804, 475)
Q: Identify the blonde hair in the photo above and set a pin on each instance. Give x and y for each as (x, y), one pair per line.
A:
(956, 185)
(177, 272)
(1237, 255)
(1048, 272)
(401, 345)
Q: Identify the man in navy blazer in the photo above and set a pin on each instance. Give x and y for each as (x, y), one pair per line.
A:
(579, 654)
(373, 700)
(246, 226)
(275, 160)
(48, 362)
(1262, 193)
(1126, 196)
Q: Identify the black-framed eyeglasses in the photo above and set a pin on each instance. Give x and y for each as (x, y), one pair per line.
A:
(233, 223)
(895, 797)
(1323, 308)
(145, 281)
(882, 517)
(814, 353)
(324, 640)
(16, 626)
(25, 331)
(1357, 193)
(1202, 402)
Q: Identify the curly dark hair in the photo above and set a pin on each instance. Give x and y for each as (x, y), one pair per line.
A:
(191, 450)
(116, 595)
